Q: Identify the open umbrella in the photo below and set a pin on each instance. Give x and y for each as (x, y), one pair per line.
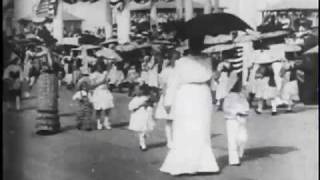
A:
(144, 46)
(109, 41)
(274, 34)
(65, 47)
(126, 47)
(109, 53)
(89, 39)
(286, 47)
(246, 38)
(213, 24)
(162, 42)
(217, 39)
(219, 48)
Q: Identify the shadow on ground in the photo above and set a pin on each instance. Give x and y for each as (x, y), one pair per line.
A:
(120, 125)
(257, 153)
(68, 128)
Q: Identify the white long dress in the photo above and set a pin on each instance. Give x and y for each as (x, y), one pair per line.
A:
(164, 76)
(189, 96)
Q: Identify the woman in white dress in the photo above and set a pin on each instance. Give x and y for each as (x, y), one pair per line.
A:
(188, 98)
(160, 112)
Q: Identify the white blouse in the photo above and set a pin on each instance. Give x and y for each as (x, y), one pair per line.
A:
(187, 69)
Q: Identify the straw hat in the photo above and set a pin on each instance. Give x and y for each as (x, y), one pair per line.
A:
(110, 41)
(264, 57)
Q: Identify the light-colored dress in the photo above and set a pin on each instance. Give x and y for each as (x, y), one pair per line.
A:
(252, 80)
(115, 76)
(102, 99)
(234, 104)
(141, 117)
(264, 90)
(164, 76)
(290, 89)
(189, 96)
(153, 76)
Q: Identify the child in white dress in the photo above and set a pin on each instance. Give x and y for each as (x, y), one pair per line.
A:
(102, 99)
(236, 109)
(141, 120)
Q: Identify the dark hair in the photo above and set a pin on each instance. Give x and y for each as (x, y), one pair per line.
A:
(145, 89)
(196, 45)
(99, 63)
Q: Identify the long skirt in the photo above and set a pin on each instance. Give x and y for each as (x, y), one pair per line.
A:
(264, 90)
(191, 151)
(290, 91)
(84, 116)
(102, 99)
(48, 119)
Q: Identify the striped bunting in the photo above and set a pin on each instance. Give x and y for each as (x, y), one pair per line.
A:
(47, 8)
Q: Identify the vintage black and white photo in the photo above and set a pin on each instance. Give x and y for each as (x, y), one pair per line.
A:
(160, 89)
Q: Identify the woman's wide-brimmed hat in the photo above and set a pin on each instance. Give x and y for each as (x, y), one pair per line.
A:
(265, 57)
(110, 41)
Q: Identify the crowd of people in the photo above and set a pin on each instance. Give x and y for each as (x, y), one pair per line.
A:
(295, 21)
(177, 88)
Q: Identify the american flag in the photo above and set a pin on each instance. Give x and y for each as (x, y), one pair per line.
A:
(47, 8)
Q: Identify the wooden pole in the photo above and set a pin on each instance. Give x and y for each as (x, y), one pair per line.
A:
(207, 7)
(123, 22)
(153, 14)
(108, 21)
(188, 5)
(58, 23)
(179, 8)
(216, 6)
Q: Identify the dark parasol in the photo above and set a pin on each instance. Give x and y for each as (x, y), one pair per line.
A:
(90, 39)
(213, 24)
(209, 24)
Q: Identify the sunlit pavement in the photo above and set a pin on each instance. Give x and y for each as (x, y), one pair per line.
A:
(283, 147)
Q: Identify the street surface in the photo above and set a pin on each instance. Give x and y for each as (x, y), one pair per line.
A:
(283, 147)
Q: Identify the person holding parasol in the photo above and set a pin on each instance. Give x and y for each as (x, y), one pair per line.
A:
(188, 98)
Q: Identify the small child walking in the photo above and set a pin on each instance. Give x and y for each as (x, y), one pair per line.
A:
(102, 98)
(84, 115)
(236, 109)
(141, 119)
